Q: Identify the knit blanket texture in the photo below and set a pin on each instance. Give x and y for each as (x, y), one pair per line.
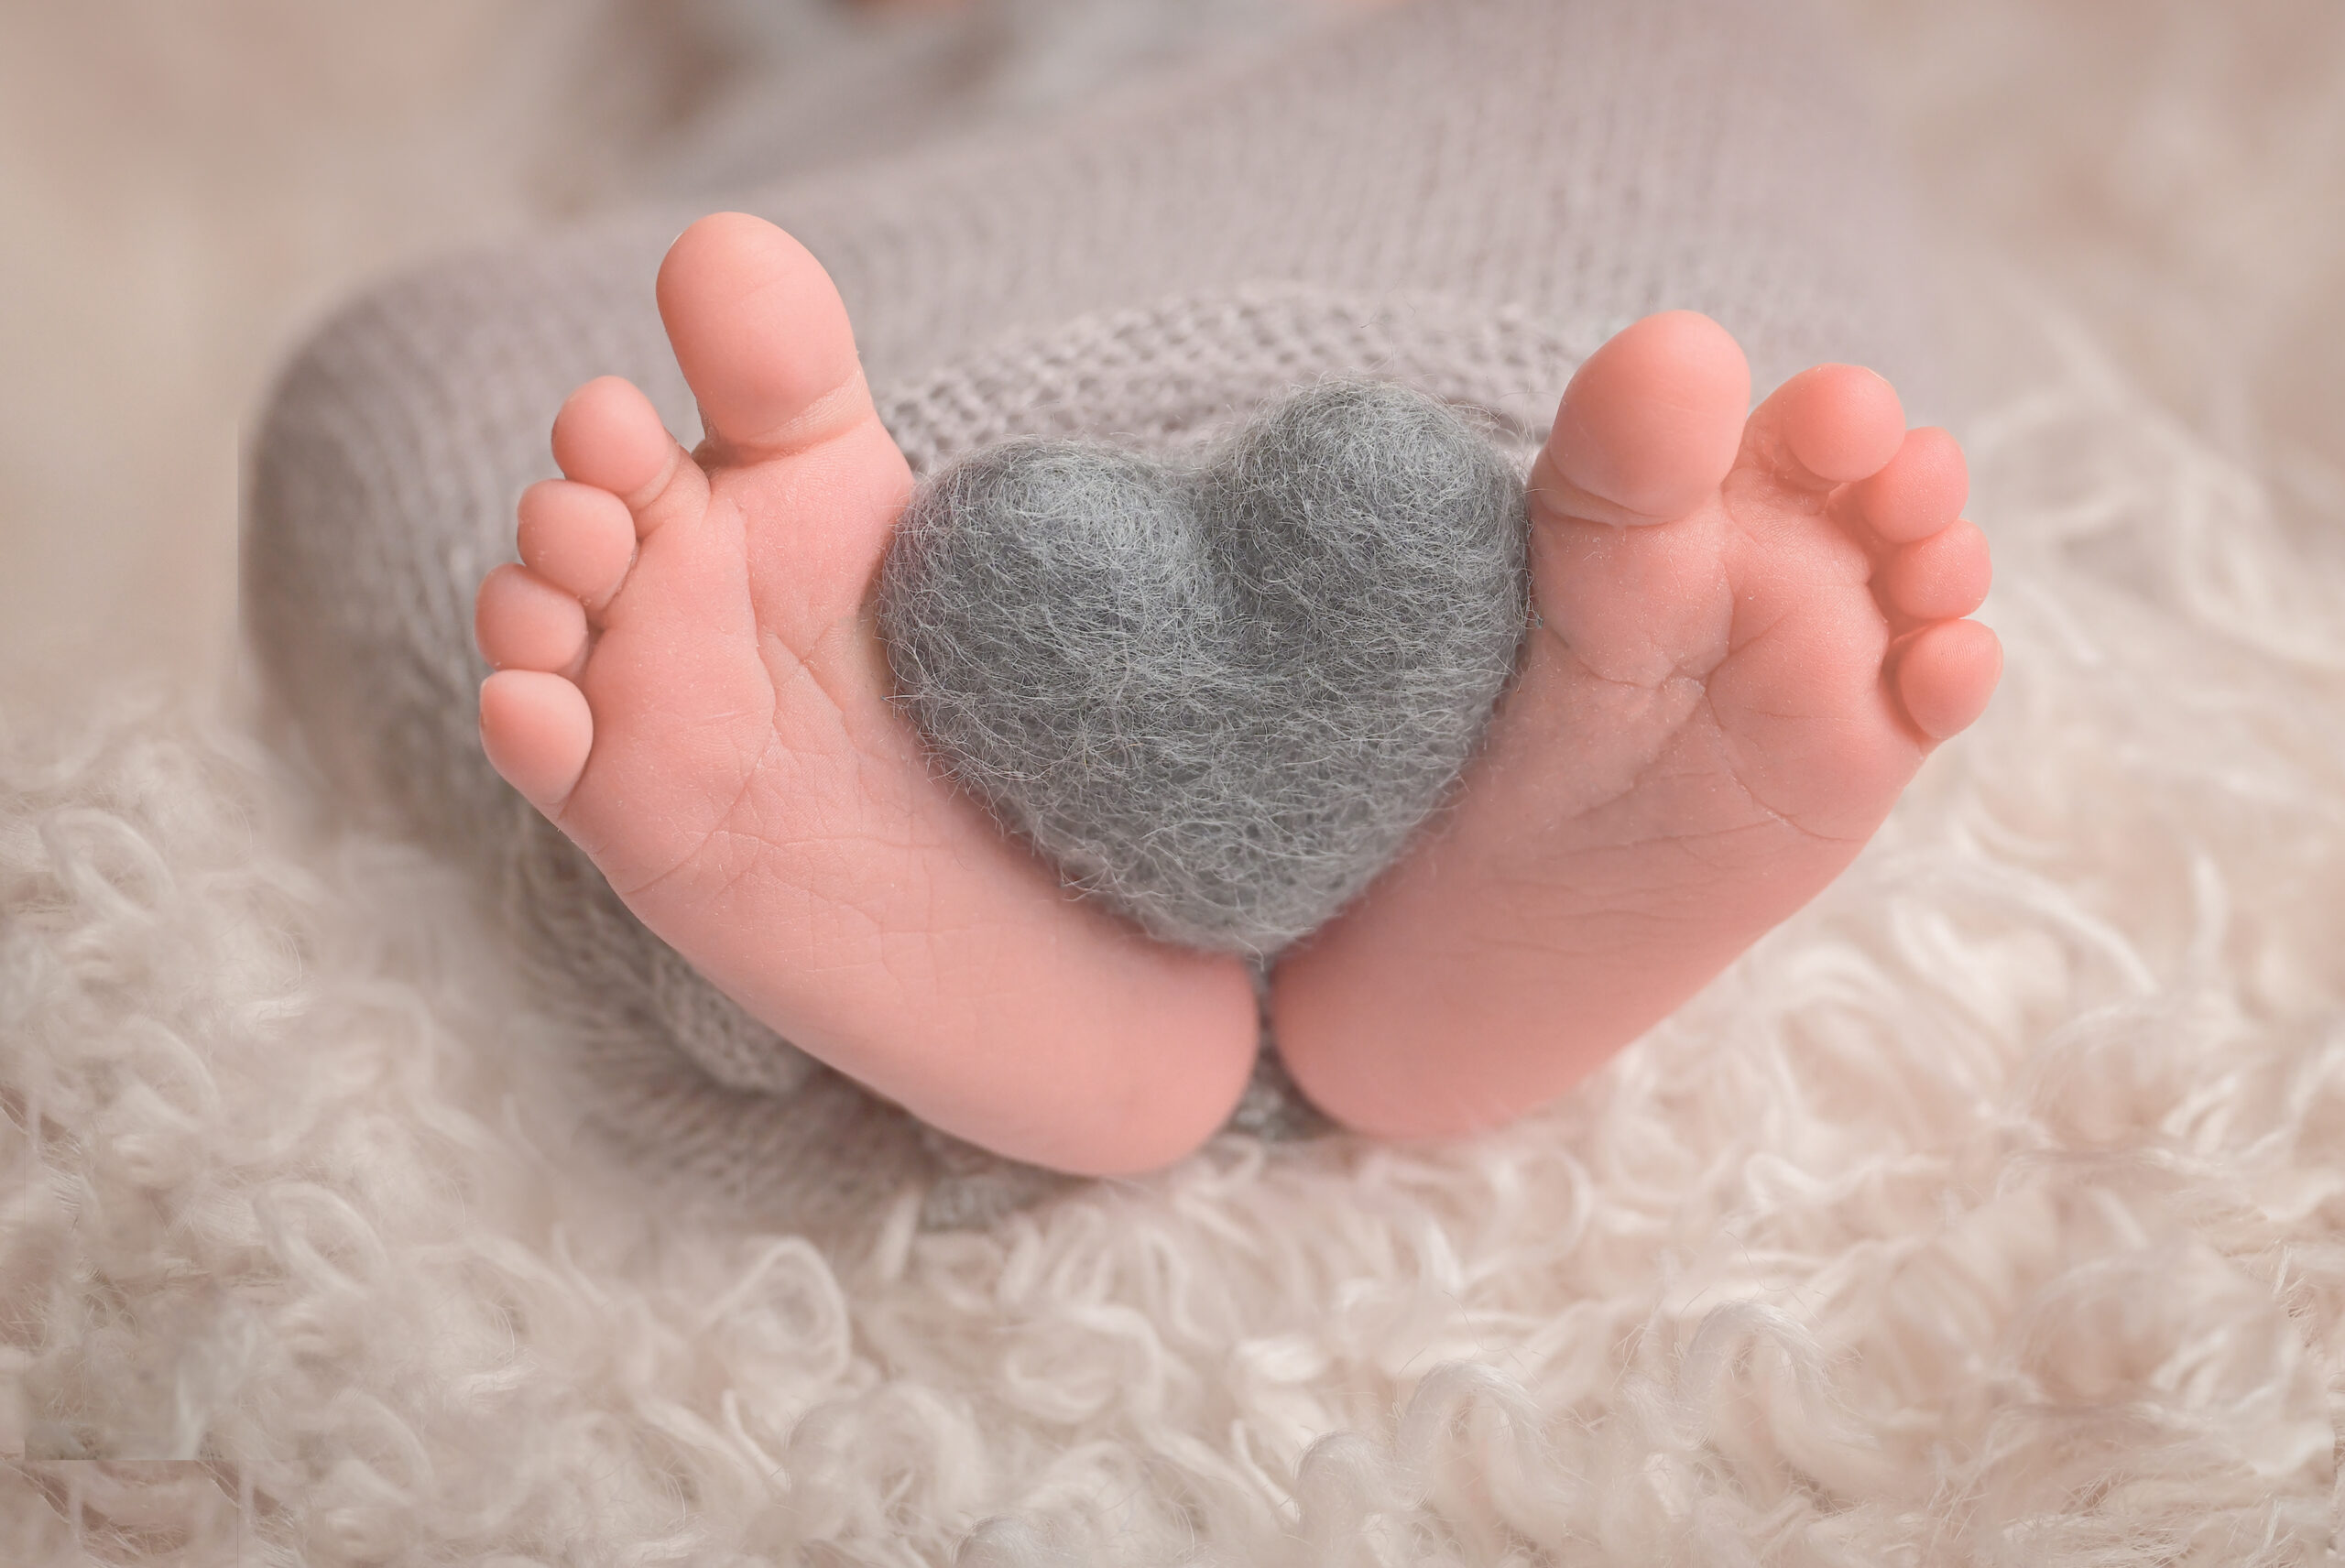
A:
(1992, 1211)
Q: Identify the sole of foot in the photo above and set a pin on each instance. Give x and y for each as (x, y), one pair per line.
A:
(690, 684)
(1750, 634)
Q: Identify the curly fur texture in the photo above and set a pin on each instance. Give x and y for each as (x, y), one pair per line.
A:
(1989, 1213)
(1986, 1212)
(1219, 695)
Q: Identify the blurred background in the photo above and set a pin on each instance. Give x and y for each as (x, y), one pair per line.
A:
(185, 185)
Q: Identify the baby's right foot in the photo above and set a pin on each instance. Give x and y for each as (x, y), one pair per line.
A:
(691, 686)
(1750, 634)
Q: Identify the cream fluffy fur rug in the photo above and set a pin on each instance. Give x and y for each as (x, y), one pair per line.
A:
(1992, 1210)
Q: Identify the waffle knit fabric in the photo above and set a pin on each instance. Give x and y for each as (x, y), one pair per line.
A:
(1465, 196)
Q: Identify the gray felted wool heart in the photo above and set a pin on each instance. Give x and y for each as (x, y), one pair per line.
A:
(1219, 695)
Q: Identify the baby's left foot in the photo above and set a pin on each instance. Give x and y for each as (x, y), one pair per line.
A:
(690, 685)
(1750, 637)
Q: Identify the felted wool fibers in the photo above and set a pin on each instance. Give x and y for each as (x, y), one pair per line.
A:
(1220, 695)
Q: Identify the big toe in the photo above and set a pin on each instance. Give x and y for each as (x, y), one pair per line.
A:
(761, 335)
(1649, 425)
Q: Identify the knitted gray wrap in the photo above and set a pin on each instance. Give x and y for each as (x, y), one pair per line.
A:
(1465, 196)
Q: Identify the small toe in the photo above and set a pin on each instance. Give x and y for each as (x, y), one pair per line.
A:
(1945, 673)
(1940, 577)
(536, 730)
(609, 436)
(577, 536)
(1648, 426)
(1825, 427)
(523, 622)
(1919, 491)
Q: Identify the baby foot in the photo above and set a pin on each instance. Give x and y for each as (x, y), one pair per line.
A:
(691, 686)
(1750, 637)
